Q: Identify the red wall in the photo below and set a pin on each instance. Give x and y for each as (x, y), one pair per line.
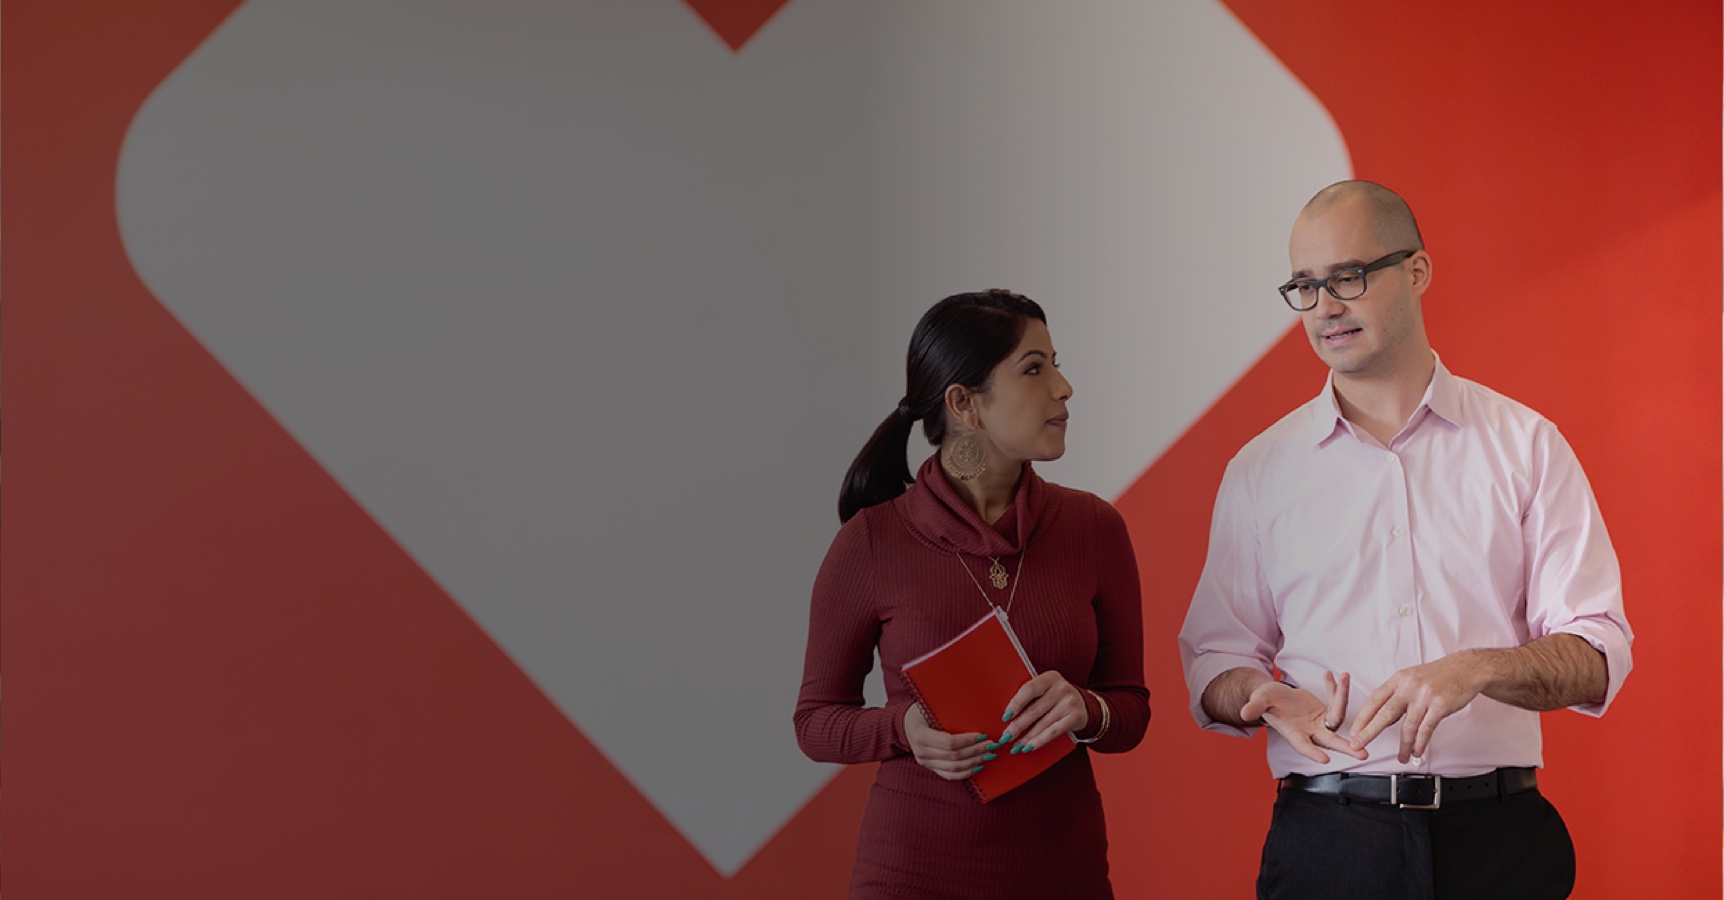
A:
(202, 628)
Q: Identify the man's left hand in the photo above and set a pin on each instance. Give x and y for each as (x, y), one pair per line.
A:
(1419, 698)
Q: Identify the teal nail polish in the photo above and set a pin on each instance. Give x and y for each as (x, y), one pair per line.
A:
(1008, 716)
(1006, 738)
(1029, 747)
(996, 745)
(975, 770)
(990, 757)
(980, 738)
(1015, 750)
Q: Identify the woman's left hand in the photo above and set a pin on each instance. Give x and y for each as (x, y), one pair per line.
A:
(1046, 707)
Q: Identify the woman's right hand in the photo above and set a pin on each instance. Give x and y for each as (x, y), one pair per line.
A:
(953, 757)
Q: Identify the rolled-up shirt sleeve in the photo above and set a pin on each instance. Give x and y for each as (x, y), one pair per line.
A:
(1232, 621)
(1574, 585)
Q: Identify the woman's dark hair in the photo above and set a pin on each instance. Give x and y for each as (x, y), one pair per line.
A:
(959, 341)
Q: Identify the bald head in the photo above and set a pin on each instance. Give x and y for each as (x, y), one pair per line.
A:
(1390, 215)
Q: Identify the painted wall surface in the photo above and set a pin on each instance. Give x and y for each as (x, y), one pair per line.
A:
(427, 418)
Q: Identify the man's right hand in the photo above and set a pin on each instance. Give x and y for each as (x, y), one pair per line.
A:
(1307, 723)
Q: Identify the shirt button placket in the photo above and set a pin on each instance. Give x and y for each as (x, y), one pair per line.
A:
(1399, 555)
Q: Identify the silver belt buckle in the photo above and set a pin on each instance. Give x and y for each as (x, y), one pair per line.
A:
(1395, 793)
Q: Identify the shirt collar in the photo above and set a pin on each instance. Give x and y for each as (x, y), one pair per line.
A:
(1442, 398)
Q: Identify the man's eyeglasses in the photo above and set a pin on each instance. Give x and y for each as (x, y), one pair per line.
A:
(1342, 284)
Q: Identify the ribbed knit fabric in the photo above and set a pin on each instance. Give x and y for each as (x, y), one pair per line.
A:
(894, 580)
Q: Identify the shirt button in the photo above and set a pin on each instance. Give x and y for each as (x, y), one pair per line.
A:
(1405, 611)
(1394, 532)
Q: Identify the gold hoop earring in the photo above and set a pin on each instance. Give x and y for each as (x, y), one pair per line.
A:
(966, 458)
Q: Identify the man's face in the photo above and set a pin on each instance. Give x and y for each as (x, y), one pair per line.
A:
(1376, 332)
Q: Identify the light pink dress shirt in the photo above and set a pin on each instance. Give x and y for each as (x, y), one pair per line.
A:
(1475, 527)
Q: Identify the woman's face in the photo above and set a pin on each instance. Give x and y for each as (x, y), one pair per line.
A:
(1022, 414)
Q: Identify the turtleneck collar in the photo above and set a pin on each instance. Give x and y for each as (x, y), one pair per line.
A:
(940, 516)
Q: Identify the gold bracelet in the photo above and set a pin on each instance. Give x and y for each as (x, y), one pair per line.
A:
(1106, 718)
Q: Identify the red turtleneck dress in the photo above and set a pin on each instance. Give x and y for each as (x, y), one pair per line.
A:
(894, 580)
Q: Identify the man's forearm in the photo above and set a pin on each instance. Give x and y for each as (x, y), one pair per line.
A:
(1229, 692)
(1552, 672)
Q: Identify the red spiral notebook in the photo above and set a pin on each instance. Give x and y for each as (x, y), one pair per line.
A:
(964, 685)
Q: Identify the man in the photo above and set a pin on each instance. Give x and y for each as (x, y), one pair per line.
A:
(1429, 541)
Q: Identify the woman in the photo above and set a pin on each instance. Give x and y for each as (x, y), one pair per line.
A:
(919, 560)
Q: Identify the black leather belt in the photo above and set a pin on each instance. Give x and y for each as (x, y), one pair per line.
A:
(1416, 791)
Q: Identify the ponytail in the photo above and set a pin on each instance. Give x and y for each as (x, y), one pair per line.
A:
(958, 341)
(880, 472)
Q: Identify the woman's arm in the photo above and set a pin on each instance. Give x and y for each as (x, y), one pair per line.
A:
(1117, 678)
(832, 724)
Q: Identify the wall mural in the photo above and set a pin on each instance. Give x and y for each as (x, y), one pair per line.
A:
(428, 420)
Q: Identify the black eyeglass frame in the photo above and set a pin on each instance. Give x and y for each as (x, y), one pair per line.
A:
(1329, 282)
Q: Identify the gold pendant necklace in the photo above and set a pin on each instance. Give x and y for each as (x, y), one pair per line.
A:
(997, 574)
